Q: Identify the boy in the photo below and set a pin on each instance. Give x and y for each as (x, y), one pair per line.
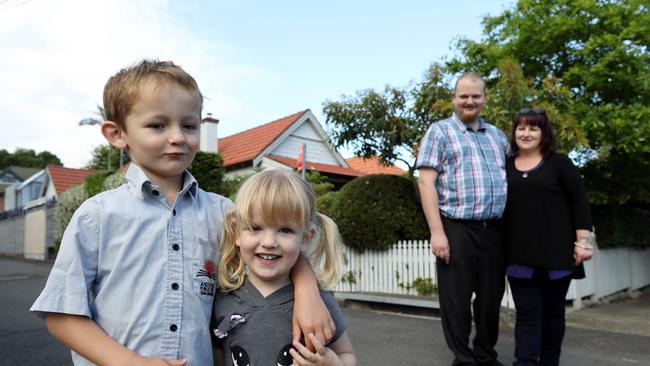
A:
(134, 280)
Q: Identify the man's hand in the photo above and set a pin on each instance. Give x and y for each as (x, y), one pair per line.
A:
(440, 246)
(323, 356)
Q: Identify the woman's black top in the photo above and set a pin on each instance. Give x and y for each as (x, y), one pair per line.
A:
(544, 209)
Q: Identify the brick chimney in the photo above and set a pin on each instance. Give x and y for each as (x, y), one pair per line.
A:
(209, 136)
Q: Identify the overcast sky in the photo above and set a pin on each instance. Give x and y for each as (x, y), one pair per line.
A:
(255, 61)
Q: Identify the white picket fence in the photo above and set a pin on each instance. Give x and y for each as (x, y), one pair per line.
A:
(390, 272)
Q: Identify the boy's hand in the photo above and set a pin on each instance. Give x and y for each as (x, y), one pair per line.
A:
(310, 315)
(322, 357)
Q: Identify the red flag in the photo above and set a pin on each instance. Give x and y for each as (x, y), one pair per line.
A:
(300, 152)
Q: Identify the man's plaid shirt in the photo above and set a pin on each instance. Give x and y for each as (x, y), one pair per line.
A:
(471, 182)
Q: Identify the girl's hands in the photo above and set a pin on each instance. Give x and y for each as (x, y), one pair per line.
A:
(323, 356)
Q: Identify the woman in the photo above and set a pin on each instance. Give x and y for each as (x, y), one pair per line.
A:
(548, 236)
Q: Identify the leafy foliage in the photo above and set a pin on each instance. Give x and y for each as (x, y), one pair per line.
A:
(94, 183)
(27, 158)
(207, 168)
(101, 156)
(587, 62)
(389, 124)
(318, 182)
(622, 226)
(114, 180)
(375, 211)
(67, 204)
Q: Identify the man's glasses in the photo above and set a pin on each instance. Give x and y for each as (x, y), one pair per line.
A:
(532, 111)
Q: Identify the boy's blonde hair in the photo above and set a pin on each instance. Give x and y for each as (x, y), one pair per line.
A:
(280, 196)
(121, 90)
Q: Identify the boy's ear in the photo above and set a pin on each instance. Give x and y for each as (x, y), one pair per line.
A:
(114, 134)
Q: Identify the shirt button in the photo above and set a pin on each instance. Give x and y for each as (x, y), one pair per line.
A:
(176, 247)
(174, 212)
(173, 327)
(155, 192)
(174, 286)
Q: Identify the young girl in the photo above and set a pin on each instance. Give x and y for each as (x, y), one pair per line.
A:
(274, 221)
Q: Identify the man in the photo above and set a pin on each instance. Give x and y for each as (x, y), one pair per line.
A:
(463, 189)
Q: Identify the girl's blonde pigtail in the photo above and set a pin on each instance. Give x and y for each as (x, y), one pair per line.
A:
(231, 264)
(327, 256)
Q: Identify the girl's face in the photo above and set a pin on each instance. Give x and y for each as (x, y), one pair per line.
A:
(528, 137)
(270, 251)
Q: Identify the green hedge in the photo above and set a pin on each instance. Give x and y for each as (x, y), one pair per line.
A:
(207, 168)
(375, 211)
(622, 226)
(94, 183)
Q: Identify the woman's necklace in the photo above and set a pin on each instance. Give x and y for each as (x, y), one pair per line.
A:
(524, 174)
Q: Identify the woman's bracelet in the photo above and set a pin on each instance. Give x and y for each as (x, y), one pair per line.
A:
(583, 246)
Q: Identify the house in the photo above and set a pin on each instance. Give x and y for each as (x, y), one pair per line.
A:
(372, 165)
(59, 179)
(13, 175)
(30, 225)
(43, 185)
(276, 145)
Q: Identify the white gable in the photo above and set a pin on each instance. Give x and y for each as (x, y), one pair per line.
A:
(306, 131)
(317, 150)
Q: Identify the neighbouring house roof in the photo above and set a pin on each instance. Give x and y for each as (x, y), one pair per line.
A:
(325, 168)
(247, 145)
(21, 172)
(372, 165)
(64, 178)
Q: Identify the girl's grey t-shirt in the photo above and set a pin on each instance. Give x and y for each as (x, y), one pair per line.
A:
(255, 330)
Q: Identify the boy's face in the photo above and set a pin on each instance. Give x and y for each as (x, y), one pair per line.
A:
(163, 131)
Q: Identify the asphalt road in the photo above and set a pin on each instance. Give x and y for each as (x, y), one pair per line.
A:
(379, 337)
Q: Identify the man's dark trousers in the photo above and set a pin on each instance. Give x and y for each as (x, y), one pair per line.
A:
(476, 266)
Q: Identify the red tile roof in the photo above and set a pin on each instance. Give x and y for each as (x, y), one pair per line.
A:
(325, 168)
(64, 178)
(247, 145)
(373, 166)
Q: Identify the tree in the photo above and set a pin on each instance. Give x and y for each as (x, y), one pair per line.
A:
(593, 54)
(207, 168)
(27, 158)
(100, 158)
(103, 154)
(389, 124)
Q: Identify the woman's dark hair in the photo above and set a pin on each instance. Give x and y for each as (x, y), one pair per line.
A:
(538, 118)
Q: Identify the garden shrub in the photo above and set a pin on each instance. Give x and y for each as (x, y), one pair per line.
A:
(375, 211)
(94, 182)
(207, 168)
(114, 180)
(325, 202)
(67, 204)
(622, 225)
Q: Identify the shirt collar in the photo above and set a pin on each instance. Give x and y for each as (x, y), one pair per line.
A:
(464, 128)
(142, 185)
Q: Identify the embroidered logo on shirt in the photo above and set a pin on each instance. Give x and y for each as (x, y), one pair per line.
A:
(209, 271)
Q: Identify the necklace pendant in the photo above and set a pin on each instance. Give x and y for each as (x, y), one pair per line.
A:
(525, 175)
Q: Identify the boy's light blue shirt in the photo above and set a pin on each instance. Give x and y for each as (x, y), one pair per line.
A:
(143, 271)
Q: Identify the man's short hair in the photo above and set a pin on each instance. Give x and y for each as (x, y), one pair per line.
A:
(121, 90)
(470, 75)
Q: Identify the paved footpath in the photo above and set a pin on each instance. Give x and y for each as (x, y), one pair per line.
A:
(614, 334)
